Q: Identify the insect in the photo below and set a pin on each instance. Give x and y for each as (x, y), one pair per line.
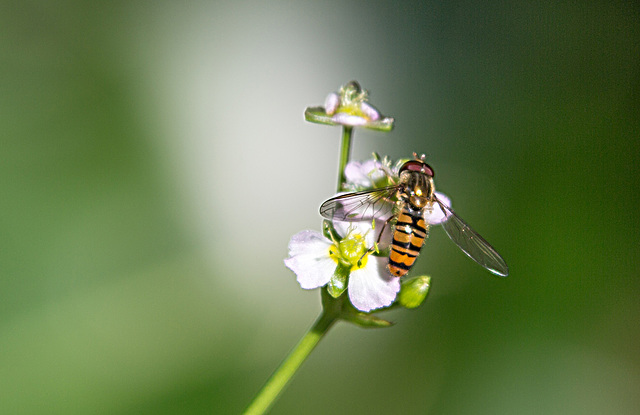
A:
(406, 205)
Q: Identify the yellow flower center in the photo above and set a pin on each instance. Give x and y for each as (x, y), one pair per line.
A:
(351, 252)
(353, 110)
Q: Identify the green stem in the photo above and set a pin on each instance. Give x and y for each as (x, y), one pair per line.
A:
(331, 312)
(283, 374)
(345, 150)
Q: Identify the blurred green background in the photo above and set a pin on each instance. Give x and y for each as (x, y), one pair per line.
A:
(154, 162)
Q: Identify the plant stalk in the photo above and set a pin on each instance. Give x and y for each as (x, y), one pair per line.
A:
(284, 373)
(345, 150)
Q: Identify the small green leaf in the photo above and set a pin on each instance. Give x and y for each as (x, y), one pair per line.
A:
(413, 291)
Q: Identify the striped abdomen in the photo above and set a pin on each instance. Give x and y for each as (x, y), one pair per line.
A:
(408, 238)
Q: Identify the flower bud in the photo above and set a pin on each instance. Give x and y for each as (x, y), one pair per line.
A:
(413, 291)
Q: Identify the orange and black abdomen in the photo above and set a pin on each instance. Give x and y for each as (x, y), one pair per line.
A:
(408, 238)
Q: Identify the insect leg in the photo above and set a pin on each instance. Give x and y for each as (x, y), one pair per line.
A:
(375, 245)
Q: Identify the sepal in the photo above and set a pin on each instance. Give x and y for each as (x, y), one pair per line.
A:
(368, 321)
(342, 309)
(338, 282)
(329, 231)
(319, 116)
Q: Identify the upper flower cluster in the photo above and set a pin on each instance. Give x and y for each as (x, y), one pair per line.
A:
(349, 107)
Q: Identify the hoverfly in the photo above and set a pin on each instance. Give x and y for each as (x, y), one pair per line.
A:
(406, 205)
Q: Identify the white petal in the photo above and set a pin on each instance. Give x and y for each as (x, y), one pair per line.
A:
(374, 170)
(345, 228)
(331, 103)
(305, 242)
(342, 227)
(309, 259)
(362, 228)
(364, 174)
(372, 286)
(368, 110)
(437, 216)
(370, 235)
(385, 239)
(349, 120)
(355, 174)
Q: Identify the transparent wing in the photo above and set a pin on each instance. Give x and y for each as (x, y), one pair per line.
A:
(472, 243)
(365, 205)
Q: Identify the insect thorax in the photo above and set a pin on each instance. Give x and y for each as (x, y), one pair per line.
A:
(416, 190)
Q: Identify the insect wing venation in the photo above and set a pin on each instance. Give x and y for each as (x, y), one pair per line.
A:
(359, 206)
(472, 244)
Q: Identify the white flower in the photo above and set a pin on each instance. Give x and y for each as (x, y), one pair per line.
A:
(373, 173)
(318, 261)
(349, 107)
(314, 259)
(367, 174)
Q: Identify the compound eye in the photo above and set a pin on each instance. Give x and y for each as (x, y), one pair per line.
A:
(417, 165)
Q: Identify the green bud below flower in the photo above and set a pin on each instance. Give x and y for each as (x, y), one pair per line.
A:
(338, 282)
(413, 291)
